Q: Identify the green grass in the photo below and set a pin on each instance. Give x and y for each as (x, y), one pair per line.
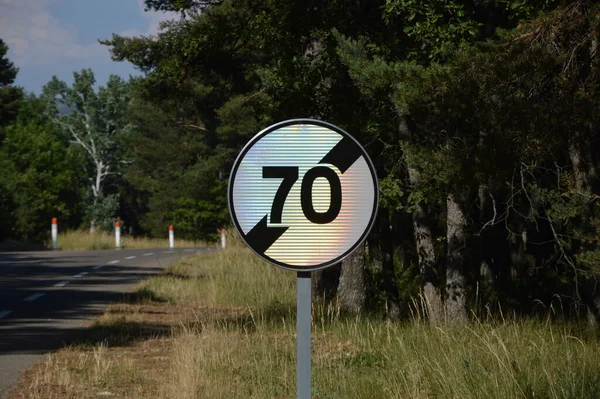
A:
(234, 277)
(360, 357)
(232, 335)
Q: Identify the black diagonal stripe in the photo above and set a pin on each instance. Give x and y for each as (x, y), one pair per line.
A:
(343, 155)
(261, 237)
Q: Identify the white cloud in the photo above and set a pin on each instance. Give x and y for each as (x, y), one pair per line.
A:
(154, 19)
(36, 38)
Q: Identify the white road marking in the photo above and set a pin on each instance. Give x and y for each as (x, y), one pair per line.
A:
(61, 284)
(168, 252)
(148, 254)
(33, 297)
(5, 313)
(81, 274)
(130, 257)
(189, 250)
(112, 262)
(96, 267)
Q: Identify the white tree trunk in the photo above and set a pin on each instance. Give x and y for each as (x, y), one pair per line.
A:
(423, 237)
(351, 289)
(585, 173)
(427, 257)
(456, 303)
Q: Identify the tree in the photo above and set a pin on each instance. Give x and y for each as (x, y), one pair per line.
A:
(399, 79)
(506, 119)
(39, 171)
(238, 66)
(483, 201)
(10, 96)
(10, 100)
(92, 122)
(352, 288)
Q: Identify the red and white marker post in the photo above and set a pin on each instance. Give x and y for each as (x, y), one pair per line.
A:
(171, 237)
(54, 233)
(118, 234)
(223, 238)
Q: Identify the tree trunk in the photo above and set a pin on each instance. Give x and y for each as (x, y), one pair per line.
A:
(351, 289)
(591, 297)
(387, 266)
(583, 166)
(593, 310)
(326, 281)
(495, 252)
(427, 258)
(403, 238)
(93, 227)
(586, 176)
(374, 253)
(423, 237)
(487, 218)
(487, 215)
(456, 303)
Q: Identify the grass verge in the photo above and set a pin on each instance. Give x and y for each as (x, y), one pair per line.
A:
(222, 325)
(78, 240)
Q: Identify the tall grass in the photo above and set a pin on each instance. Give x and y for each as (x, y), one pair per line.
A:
(78, 240)
(232, 278)
(368, 359)
(253, 356)
(239, 342)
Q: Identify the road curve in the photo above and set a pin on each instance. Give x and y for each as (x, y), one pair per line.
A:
(47, 296)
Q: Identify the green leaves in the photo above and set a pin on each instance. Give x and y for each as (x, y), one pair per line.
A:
(392, 193)
(10, 96)
(8, 71)
(41, 174)
(102, 210)
(435, 28)
(92, 121)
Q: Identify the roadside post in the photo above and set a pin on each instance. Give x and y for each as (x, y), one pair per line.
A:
(171, 237)
(54, 229)
(118, 234)
(303, 195)
(223, 238)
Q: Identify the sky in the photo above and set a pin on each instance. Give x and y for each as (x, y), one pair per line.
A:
(58, 37)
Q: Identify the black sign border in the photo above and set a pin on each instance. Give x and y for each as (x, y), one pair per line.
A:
(250, 144)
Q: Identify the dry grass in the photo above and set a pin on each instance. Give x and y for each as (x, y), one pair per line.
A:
(78, 240)
(75, 372)
(222, 325)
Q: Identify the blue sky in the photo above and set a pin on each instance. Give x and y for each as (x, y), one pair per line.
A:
(57, 37)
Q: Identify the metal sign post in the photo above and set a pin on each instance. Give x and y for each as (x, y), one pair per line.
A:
(303, 194)
(303, 327)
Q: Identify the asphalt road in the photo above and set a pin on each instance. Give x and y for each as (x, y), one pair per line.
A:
(47, 296)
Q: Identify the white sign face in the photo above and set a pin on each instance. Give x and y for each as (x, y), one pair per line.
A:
(303, 194)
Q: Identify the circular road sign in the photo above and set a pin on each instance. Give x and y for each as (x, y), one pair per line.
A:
(303, 194)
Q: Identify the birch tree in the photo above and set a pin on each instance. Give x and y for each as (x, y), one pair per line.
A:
(92, 120)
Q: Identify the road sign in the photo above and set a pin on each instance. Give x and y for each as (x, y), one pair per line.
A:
(303, 194)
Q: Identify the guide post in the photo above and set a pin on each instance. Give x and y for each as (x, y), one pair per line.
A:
(54, 231)
(118, 234)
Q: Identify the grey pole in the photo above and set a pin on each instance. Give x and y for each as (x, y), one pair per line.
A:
(303, 326)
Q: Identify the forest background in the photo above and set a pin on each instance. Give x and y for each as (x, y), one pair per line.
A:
(482, 118)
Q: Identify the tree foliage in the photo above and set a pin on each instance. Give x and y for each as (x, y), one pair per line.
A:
(470, 110)
(92, 122)
(10, 96)
(39, 172)
(481, 117)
